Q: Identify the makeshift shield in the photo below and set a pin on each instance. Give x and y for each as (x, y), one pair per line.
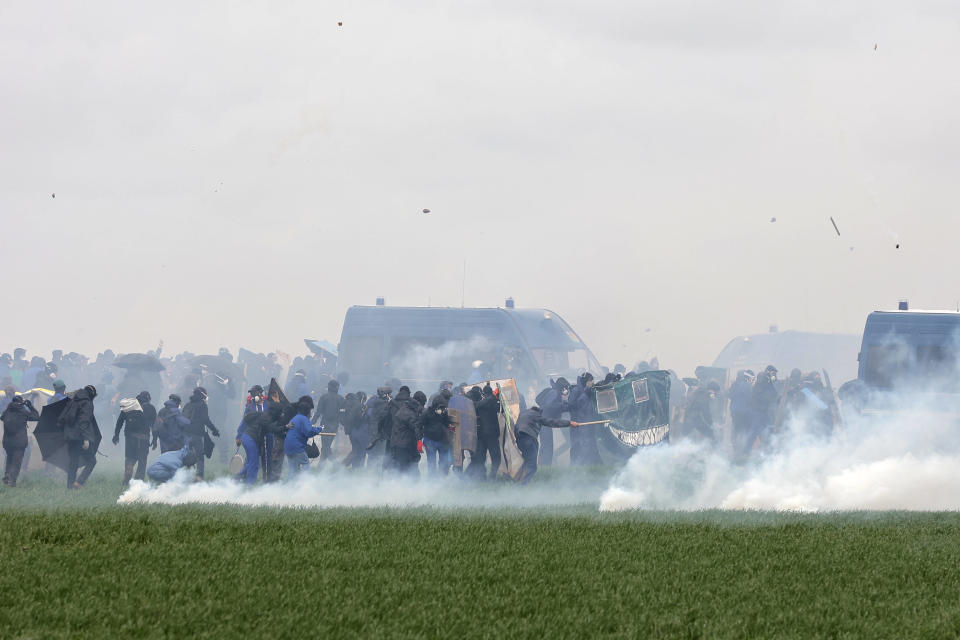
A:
(510, 396)
(49, 436)
(511, 461)
(463, 419)
(638, 408)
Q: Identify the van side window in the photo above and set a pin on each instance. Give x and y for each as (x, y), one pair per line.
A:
(887, 364)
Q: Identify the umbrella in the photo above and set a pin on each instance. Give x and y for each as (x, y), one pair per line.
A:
(139, 361)
(53, 446)
(321, 347)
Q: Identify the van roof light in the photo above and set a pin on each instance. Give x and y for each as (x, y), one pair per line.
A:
(903, 306)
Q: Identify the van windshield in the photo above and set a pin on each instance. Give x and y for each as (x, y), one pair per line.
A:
(555, 362)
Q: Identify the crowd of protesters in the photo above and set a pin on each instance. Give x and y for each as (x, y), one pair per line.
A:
(392, 428)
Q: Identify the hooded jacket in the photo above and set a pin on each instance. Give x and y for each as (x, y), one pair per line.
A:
(77, 419)
(488, 411)
(404, 419)
(435, 421)
(301, 431)
(531, 421)
(171, 425)
(252, 407)
(149, 413)
(352, 417)
(15, 418)
(328, 409)
(198, 414)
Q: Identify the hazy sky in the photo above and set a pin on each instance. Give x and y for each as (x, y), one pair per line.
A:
(240, 173)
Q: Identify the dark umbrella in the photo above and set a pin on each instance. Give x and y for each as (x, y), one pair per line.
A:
(140, 361)
(53, 446)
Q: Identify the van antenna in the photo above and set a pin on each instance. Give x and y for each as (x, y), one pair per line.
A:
(463, 285)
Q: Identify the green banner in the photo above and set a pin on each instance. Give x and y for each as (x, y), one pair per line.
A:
(638, 408)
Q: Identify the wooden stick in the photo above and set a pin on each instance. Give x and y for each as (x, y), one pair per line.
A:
(593, 422)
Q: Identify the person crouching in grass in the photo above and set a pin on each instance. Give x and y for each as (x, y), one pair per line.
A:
(167, 464)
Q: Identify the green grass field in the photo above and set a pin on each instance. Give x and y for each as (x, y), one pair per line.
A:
(77, 565)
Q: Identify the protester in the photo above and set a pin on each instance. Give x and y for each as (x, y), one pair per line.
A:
(356, 426)
(167, 464)
(295, 442)
(404, 414)
(170, 426)
(488, 433)
(196, 430)
(15, 417)
(328, 416)
(583, 408)
(554, 401)
(82, 435)
(59, 391)
(698, 420)
(436, 435)
(136, 438)
(250, 433)
(529, 424)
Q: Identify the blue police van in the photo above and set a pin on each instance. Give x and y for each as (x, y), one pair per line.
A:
(422, 346)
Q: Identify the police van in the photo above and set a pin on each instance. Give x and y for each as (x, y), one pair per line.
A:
(904, 348)
(422, 346)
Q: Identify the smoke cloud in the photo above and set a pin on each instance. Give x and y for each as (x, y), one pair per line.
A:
(332, 487)
(904, 459)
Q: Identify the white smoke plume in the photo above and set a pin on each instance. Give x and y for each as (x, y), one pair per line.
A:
(452, 360)
(908, 459)
(332, 487)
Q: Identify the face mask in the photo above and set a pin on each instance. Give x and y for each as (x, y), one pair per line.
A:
(257, 399)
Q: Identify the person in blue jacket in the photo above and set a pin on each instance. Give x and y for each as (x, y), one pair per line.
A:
(251, 431)
(295, 444)
(167, 464)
